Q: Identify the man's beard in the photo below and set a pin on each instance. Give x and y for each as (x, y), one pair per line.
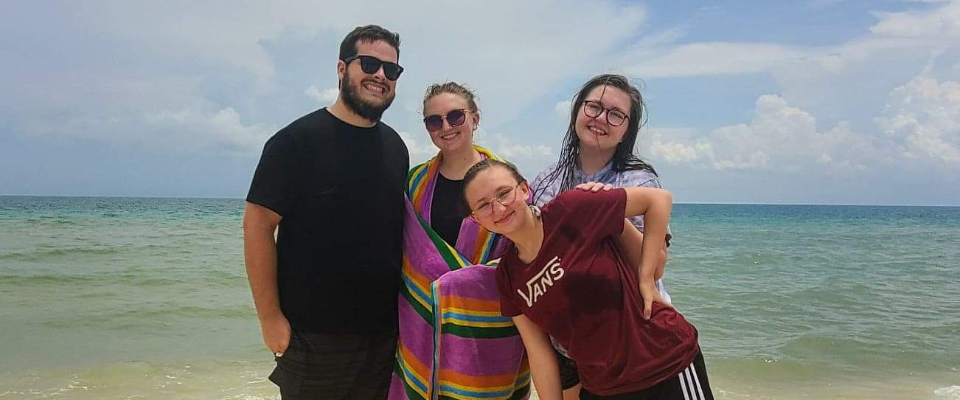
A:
(366, 110)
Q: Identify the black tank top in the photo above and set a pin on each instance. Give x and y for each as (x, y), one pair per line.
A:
(447, 210)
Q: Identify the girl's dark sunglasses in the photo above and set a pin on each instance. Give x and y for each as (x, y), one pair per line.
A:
(371, 65)
(454, 118)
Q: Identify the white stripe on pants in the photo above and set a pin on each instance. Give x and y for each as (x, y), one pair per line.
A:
(690, 384)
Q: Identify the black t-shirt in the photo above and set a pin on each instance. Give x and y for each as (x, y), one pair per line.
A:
(339, 189)
(447, 213)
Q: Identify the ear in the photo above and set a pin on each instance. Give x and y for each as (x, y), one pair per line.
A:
(474, 218)
(476, 118)
(341, 69)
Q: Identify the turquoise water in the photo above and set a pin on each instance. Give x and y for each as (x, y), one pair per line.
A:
(147, 298)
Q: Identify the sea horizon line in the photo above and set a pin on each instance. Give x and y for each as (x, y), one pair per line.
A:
(719, 203)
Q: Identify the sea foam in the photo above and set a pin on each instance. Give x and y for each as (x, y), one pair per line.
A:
(948, 393)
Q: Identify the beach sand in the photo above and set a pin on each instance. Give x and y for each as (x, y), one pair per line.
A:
(248, 381)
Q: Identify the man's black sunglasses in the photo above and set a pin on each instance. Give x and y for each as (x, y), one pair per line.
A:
(371, 65)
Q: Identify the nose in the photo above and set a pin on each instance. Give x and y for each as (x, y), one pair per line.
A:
(495, 203)
(379, 74)
(602, 117)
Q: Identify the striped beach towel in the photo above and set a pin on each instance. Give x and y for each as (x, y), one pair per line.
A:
(473, 241)
(454, 344)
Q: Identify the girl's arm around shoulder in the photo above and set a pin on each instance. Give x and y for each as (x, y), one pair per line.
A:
(646, 201)
(655, 205)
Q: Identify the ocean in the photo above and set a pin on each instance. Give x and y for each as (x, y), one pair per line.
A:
(144, 298)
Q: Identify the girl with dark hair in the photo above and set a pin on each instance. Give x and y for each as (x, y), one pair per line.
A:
(563, 277)
(605, 120)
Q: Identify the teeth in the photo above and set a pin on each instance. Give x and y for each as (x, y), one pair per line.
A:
(597, 131)
(374, 88)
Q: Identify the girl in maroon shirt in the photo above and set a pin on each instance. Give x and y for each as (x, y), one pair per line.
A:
(564, 277)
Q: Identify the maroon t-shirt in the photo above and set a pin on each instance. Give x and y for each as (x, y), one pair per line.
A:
(580, 292)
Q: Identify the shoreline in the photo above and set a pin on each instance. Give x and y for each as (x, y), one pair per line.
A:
(237, 379)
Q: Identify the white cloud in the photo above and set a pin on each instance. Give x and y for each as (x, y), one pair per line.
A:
(939, 24)
(419, 151)
(512, 150)
(846, 81)
(220, 130)
(528, 157)
(672, 145)
(325, 97)
(241, 65)
(716, 58)
(660, 38)
(923, 116)
(184, 130)
(162, 116)
(779, 137)
(153, 75)
(677, 152)
(920, 126)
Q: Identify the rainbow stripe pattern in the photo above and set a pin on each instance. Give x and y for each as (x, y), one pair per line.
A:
(454, 344)
(473, 241)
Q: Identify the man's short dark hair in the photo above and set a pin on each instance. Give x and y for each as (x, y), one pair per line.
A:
(368, 34)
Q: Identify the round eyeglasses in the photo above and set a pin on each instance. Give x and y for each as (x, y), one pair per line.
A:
(505, 198)
(593, 109)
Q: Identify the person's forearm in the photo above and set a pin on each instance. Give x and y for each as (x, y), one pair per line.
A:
(655, 206)
(664, 256)
(629, 244)
(260, 253)
(543, 360)
(545, 373)
(655, 226)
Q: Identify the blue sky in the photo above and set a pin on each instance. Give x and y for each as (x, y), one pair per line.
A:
(820, 102)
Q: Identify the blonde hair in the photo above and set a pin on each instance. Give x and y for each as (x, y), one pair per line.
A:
(452, 88)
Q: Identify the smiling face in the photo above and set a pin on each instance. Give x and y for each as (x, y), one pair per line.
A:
(597, 133)
(448, 138)
(493, 183)
(368, 95)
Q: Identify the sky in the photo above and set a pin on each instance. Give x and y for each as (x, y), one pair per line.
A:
(816, 102)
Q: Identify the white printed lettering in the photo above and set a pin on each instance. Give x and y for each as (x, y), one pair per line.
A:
(537, 285)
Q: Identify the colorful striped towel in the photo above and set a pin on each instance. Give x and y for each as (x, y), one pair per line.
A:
(454, 344)
(475, 242)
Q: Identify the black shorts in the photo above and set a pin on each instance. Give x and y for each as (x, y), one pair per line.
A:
(691, 384)
(336, 366)
(569, 376)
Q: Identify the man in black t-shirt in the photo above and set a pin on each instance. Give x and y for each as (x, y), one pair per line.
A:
(326, 286)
